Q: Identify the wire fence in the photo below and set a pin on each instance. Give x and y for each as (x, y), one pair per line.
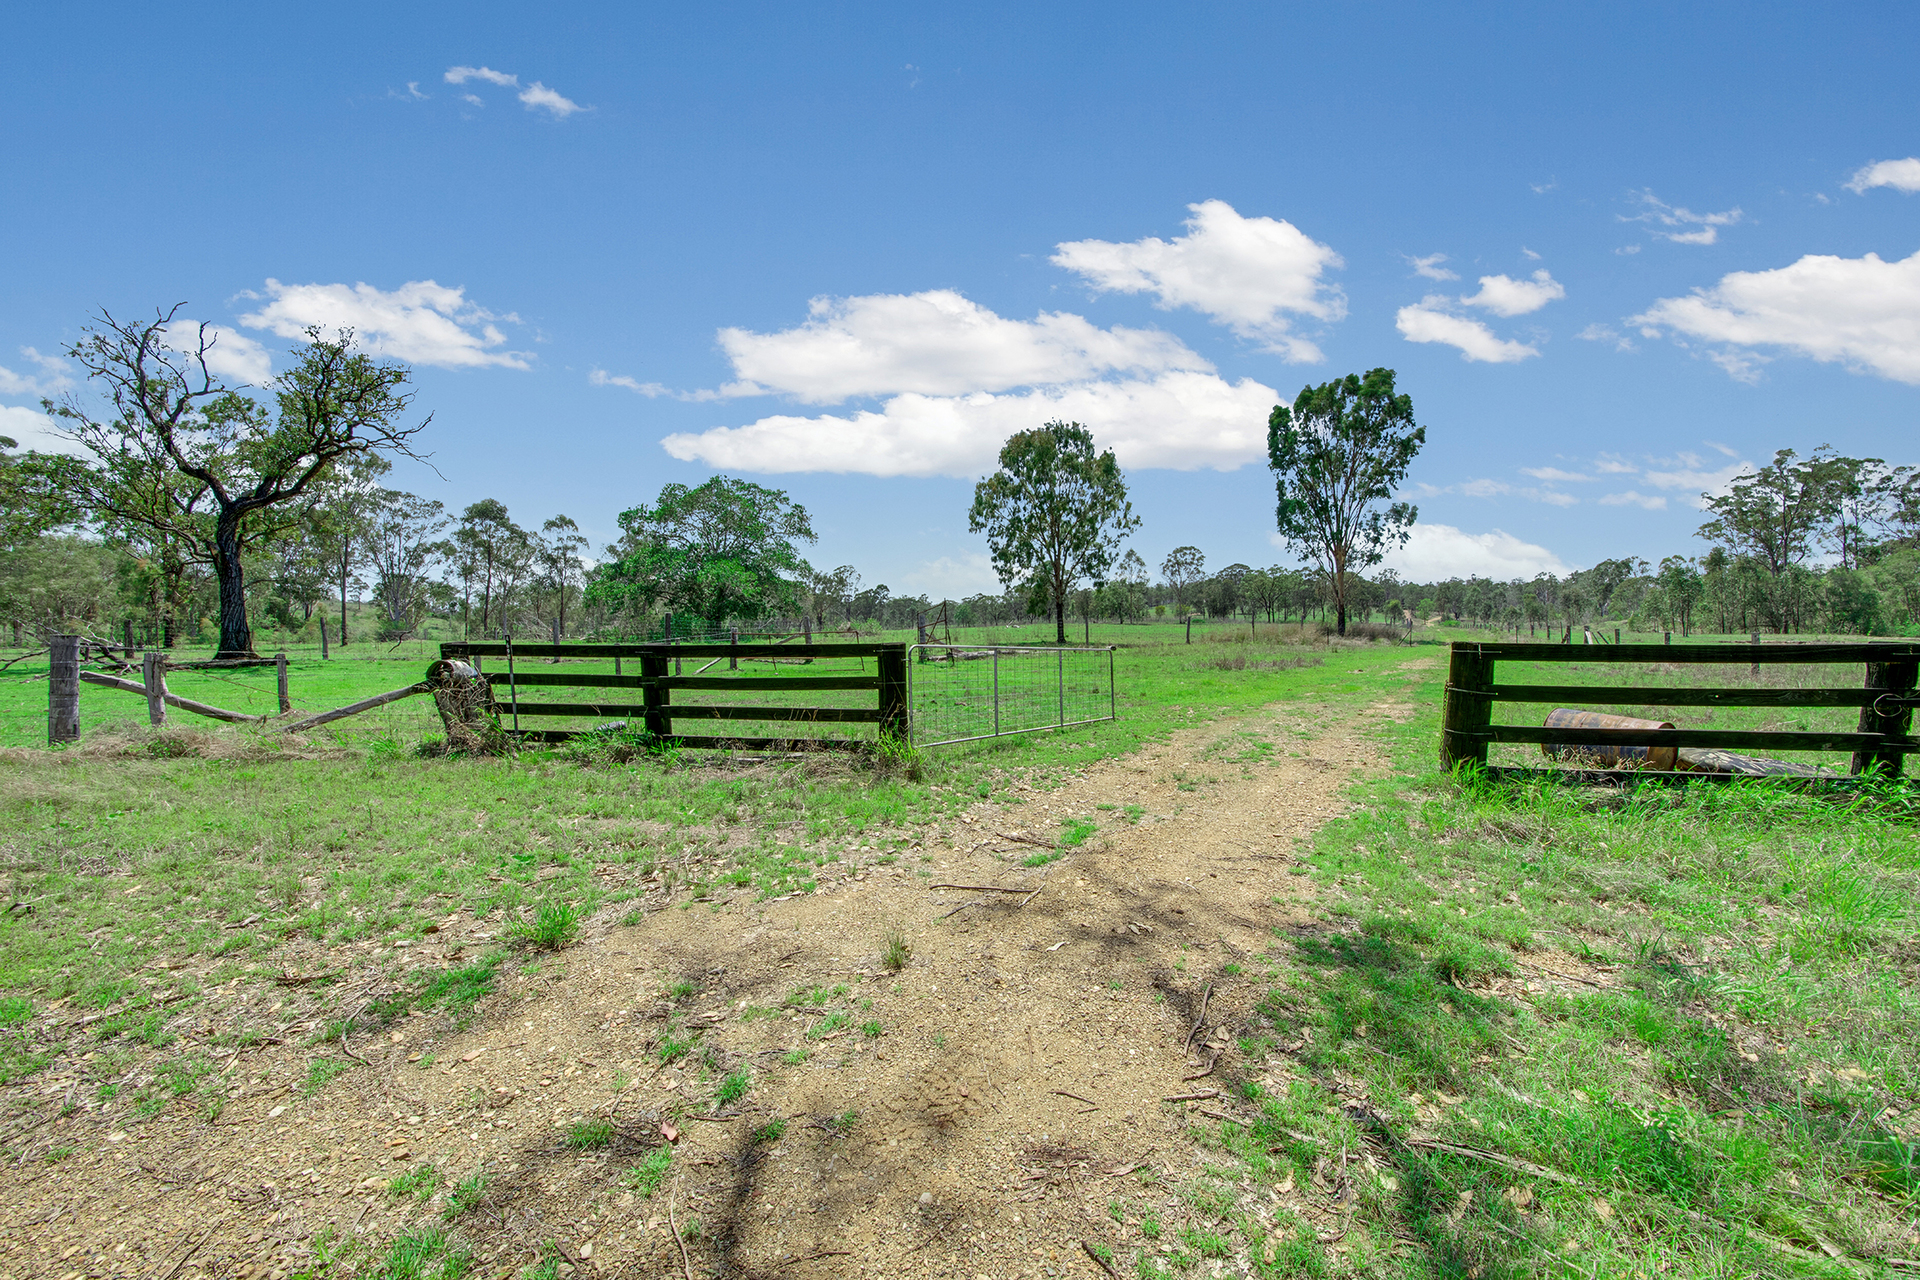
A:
(960, 693)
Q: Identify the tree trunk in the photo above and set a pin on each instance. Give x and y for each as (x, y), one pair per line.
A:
(345, 562)
(236, 637)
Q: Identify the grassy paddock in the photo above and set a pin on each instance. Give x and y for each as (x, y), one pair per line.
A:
(1571, 1032)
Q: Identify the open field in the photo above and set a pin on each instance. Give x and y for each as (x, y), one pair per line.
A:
(328, 1008)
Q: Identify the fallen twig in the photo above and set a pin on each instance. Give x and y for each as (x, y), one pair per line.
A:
(195, 1248)
(1076, 1097)
(1043, 844)
(674, 1227)
(1188, 1046)
(1200, 1075)
(984, 888)
(1219, 1115)
(1102, 1261)
(1493, 1157)
(1199, 1096)
(37, 653)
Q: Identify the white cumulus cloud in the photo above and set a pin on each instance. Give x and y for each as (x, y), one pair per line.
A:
(1901, 175)
(421, 322)
(1430, 267)
(1505, 296)
(1181, 420)
(50, 381)
(1252, 274)
(936, 343)
(1634, 498)
(535, 97)
(1438, 551)
(1430, 321)
(231, 355)
(1863, 313)
(1682, 226)
(1553, 474)
(31, 429)
(953, 577)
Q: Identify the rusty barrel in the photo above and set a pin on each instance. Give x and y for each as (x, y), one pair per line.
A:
(1630, 756)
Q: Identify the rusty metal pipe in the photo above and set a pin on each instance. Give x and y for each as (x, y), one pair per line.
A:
(1641, 757)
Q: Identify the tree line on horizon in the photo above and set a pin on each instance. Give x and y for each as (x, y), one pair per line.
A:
(195, 510)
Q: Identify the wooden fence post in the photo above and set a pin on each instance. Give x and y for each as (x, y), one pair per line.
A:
(1899, 680)
(655, 697)
(280, 673)
(323, 637)
(556, 640)
(1468, 711)
(733, 639)
(153, 675)
(63, 689)
(891, 663)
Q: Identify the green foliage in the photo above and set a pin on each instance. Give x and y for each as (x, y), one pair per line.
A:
(553, 926)
(645, 1178)
(418, 1182)
(320, 1072)
(1075, 832)
(425, 1253)
(1054, 514)
(897, 950)
(733, 1088)
(589, 1135)
(871, 1029)
(670, 1048)
(465, 1196)
(722, 550)
(15, 1010)
(771, 1131)
(1343, 449)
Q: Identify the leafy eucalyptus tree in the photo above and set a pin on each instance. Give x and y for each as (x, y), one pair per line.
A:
(188, 456)
(724, 549)
(1054, 514)
(1337, 455)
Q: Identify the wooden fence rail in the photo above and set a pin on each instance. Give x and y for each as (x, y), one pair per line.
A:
(1882, 738)
(657, 710)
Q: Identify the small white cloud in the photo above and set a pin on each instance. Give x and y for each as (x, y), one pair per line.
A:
(421, 322)
(1688, 473)
(1706, 226)
(651, 390)
(537, 96)
(1554, 474)
(31, 429)
(937, 343)
(1430, 267)
(953, 577)
(50, 381)
(460, 75)
(1626, 250)
(473, 98)
(1554, 498)
(1901, 175)
(1431, 322)
(1436, 552)
(231, 355)
(1613, 464)
(1717, 447)
(1250, 274)
(1541, 188)
(1606, 333)
(1859, 312)
(1505, 296)
(1180, 421)
(1529, 254)
(1632, 498)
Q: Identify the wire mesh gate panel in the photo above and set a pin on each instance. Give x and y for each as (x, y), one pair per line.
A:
(958, 693)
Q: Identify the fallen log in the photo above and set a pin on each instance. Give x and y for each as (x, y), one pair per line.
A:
(173, 699)
(365, 704)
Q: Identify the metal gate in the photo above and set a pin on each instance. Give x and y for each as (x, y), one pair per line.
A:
(960, 693)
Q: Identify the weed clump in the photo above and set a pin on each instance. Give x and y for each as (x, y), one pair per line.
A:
(897, 950)
(645, 1178)
(589, 1135)
(553, 926)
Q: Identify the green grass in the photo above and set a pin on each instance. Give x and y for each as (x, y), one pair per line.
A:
(426, 1253)
(465, 1196)
(733, 1088)
(552, 926)
(418, 1182)
(589, 1135)
(645, 1178)
(320, 1072)
(1728, 1087)
(896, 950)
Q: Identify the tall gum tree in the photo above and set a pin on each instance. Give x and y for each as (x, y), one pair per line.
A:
(1054, 513)
(1337, 455)
(185, 454)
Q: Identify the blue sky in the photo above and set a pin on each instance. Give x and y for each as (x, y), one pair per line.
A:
(1614, 254)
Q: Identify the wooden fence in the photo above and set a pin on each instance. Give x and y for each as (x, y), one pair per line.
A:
(1886, 700)
(656, 711)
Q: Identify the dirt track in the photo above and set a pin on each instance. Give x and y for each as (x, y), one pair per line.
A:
(1014, 1090)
